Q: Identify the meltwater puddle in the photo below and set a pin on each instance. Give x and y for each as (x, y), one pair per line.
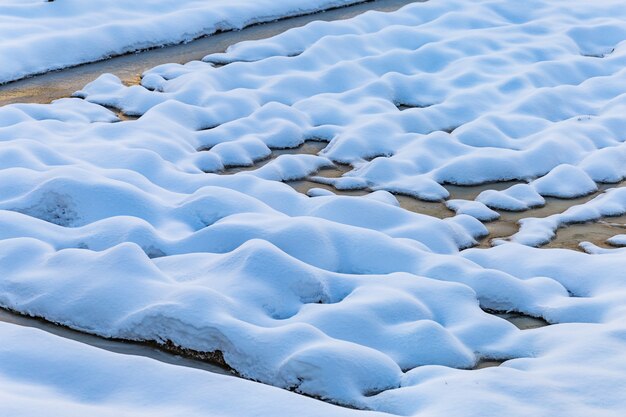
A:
(520, 320)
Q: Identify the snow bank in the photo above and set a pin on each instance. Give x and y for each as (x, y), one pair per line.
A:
(107, 228)
(42, 374)
(36, 36)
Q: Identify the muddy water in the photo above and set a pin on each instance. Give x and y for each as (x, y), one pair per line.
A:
(569, 237)
(111, 345)
(53, 85)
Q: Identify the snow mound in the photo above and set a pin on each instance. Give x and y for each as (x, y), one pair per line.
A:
(617, 240)
(329, 335)
(518, 197)
(565, 181)
(38, 373)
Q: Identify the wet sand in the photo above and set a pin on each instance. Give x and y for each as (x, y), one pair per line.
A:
(567, 237)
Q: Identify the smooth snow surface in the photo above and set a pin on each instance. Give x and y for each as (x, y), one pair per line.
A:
(129, 229)
(44, 375)
(38, 36)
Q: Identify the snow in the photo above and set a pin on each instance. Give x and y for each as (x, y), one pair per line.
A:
(473, 208)
(518, 197)
(130, 229)
(537, 231)
(37, 36)
(618, 240)
(539, 103)
(565, 181)
(42, 374)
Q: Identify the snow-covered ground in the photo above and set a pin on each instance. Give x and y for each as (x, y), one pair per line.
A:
(37, 36)
(44, 375)
(128, 229)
